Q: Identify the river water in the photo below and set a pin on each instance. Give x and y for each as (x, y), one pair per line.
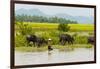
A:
(55, 56)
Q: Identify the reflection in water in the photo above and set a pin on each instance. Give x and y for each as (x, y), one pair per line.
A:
(54, 56)
(49, 55)
(67, 49)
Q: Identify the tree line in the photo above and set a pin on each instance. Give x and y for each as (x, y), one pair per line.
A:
(42, 19)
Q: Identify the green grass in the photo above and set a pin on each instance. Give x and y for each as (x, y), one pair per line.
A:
(53, 26)
(59, 47)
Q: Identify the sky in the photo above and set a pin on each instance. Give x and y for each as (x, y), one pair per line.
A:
(51, 10)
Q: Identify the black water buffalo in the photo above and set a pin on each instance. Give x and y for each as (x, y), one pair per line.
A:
(31, 38)
(91, 40)
(41, 41)
(66, 38)
(37, 41)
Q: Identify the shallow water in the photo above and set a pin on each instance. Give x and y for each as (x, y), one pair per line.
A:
(55, 56)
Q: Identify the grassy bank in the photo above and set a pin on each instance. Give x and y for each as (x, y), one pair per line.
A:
(59, 47)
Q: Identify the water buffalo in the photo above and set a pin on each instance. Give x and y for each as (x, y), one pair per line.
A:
(90, 40)
(66, 38)
(31, 38)
(39, 41)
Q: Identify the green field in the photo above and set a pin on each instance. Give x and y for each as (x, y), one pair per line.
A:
(53, 26)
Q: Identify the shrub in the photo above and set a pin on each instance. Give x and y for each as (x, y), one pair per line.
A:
(20, 40)
(63, 27)
(24, 29)
(80, 39)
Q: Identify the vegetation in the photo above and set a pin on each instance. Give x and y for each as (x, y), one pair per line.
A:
(63, 27)
(50, 28)
(54, 26)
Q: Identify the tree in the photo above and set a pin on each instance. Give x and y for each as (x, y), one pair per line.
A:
(42, 19)
(63, 27)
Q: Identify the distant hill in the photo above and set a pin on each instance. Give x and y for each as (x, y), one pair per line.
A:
(79, 19)
(29, 12)
(37, 12)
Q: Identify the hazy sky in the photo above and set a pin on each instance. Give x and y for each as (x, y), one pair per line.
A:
(50, 10)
